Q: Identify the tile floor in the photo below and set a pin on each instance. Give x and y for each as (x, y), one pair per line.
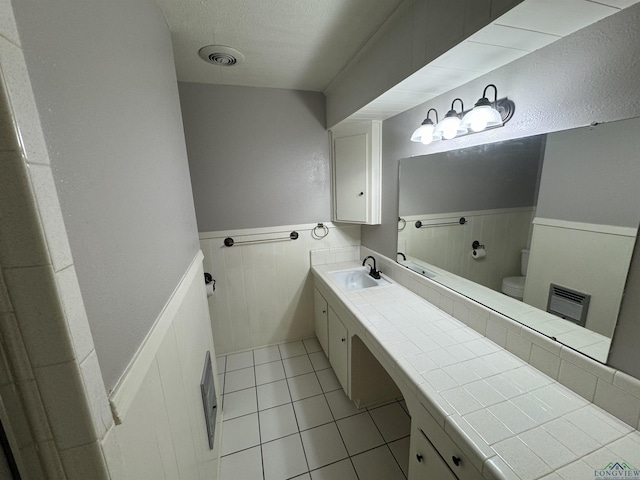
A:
(286, 416)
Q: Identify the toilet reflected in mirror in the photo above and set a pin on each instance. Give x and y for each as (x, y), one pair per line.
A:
(514, 286)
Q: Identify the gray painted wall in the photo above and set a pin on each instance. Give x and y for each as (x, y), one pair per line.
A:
(591, 175)
(105, 86)
(592, 81)
(484, 177)
(259, 157)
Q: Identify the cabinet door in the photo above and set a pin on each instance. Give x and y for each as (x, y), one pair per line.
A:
(320, 318)
(338, 348)
(350, 156)
(424, 460)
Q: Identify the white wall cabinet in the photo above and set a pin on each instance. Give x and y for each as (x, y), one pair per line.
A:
(320, 317)
(356, 152)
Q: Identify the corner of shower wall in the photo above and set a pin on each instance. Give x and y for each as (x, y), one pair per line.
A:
(52, 397)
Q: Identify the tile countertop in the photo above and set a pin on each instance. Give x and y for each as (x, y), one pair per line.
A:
(511, 420)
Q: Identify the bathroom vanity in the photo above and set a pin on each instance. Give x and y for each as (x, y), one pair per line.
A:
(477, 410)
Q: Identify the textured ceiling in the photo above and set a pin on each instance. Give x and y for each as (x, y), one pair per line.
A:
(295, 44)
(305, 44)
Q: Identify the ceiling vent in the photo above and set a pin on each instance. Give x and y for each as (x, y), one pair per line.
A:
(221, 55)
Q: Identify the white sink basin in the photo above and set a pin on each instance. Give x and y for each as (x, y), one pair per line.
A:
(349, 280)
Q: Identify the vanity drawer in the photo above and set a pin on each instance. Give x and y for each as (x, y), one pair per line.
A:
(423, 424)
(424, 460)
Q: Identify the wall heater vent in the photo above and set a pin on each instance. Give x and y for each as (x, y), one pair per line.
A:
(568, 304)
(209, 401)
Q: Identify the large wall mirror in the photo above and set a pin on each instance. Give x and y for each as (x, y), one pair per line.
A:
(553, 219)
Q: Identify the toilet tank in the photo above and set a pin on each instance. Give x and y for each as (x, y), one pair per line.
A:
(524, 261)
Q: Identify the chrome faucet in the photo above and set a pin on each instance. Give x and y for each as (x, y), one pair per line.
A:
(373, 271)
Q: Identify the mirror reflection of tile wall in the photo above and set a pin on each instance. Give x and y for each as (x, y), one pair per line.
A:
(568, 197)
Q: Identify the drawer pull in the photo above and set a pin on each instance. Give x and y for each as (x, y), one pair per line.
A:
(419, 457)
(456, 461)
(343, 339)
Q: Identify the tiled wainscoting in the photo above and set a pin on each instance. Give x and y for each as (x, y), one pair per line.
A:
(611, 389)
(286, 416)
(157, 403)
(504, 232)
(264, 291)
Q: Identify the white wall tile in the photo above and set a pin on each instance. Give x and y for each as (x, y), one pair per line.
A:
(113, 455)
(15, 349)
(51, 460)
(42, 323)
(22, 243)
(96, 395)
(44, 189)
(75, 313)
(518, 345)
(496, 333)
(545, 361)
(19, 423)
(63, 396)
(248, 313)
(21, 96)
(619, 403)
(581, 382)
(627, 383)
(84, 462)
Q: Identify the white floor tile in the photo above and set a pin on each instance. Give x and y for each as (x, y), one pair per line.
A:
(400, 450)
(392, 421)
(239, 380)
(304, 386)
(238, 361)
(340, 404)
(377, 464)
(342, 470)
(239, 403)
(293, 349)
(297, 365)
(239, 434)
(312, 411)
(312, 345)
(283, 458)
(246, 464)
(328, 380)
(269, 372)
(273, 394)
(305, 476)
(359, 433)
(266, 355)
(277, 422)
(323, 446)
(319, 361)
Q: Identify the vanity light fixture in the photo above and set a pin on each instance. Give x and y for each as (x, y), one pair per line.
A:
(485, 115)
(425, 132)
(451, 125)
